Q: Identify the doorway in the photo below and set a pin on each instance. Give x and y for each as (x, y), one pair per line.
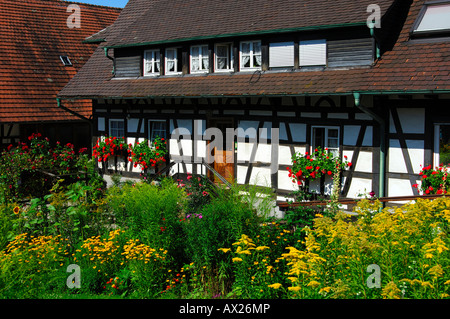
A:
(223, 154)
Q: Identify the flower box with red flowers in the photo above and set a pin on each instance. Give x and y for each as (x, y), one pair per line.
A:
(433, 180)
(314, 166)
(148, 155)
(109, 146)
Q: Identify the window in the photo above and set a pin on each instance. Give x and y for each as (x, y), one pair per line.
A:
(151, 62)
(173, 61)
(442, 145)
(251, 55)
(281, 54)
(433, 17)
(65, 60)
(326, 137)
(199, 58)
(224, 57)
(157, 128)
(313, 53)
(117, 128)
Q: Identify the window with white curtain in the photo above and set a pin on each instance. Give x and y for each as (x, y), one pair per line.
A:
(172, 61)
(199, 58)
(223, 54)
(151, 62)
(251, 58)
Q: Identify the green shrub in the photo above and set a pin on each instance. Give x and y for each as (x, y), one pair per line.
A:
(151, 214)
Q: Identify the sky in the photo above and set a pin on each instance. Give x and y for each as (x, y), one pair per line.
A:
(109, 3)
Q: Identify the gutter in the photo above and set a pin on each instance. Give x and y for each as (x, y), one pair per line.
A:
(382, 123)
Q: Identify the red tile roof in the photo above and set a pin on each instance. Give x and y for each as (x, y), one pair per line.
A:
(162, 20)
(33, 34)
(408, 66)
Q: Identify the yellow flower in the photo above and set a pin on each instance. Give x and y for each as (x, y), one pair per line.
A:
(275, 286)
(261, 248)
(236, 259)
(313, 284)
(16, 210)
(225, 250)
(294, 288)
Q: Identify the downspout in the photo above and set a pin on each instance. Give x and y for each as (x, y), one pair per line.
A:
(382, 123)
(376, 44)
(112, 59)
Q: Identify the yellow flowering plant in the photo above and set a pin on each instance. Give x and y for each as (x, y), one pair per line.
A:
(254, 269)
(30, 264)
(409, 244)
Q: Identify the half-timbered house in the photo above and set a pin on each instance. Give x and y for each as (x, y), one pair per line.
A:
(369, 81)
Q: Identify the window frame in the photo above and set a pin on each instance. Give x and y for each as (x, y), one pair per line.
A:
(110, 127)
(200, 58)
(155, 53)
(176, 60)
(251, 55)
(415, 33)
(326, 138)
(150, 129)
(230, 57)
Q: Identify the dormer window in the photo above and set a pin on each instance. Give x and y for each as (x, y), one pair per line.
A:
(251, 58)
(173, 61)
(151, 62)
(433, 18)
(223, 54)
(199, 59)
(313, 53)
(281, 55)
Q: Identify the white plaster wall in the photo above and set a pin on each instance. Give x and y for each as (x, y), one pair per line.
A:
(364, 162)
(260, 176)
(399, 187)
(359, 186)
